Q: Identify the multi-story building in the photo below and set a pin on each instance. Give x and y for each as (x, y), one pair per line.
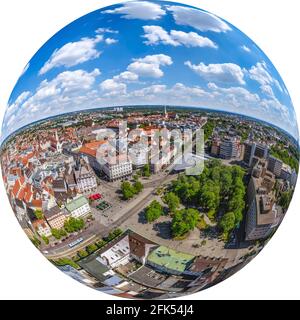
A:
(85, 179)
(139, 247)
(261, 151)
(294, 178)
(78, 207)
(249, 150)
(116, 169)
(70, 179)
(215, 147)
(117, 253)
(92, 151)
(139, 156)
(252, 150)
(229, 148)
(263, 214)
(286, 172)
(60, 185)
(167, 260)
(42, 228)
(55, 218)
(275, 166)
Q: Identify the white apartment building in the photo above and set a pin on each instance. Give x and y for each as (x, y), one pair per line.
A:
(117, 254)
(78, 208)
(118, 169)
(263, 215)
(85, 179)
(42, 228)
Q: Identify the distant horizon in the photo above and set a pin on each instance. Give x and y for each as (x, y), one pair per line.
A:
(150, 53)
(205, 109)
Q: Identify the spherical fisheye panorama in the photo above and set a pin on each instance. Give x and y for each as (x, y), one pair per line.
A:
(149, 150)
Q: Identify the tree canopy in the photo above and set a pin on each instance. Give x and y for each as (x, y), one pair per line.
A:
(130, 190)
(172, 201)
(184, 221)
(154, 211)
(74, 225)
(218, 186)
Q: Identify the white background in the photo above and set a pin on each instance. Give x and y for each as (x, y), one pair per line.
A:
(26, 25)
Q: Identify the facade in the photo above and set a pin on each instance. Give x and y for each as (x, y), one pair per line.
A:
(42, 228)
(85, 179)
(294, 178)
(118, 169)
(261, 151)
(229, 148)
(71, 182)
(275, 166)
(55, 218)
(249, 149)
(116, 254)
(263, 215)
(215, 147)
(78, 208)
(138, 156)
(286, 173)
(252, 150)
(139, 247)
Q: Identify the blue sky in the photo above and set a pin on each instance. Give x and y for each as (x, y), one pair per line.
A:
(149, 53)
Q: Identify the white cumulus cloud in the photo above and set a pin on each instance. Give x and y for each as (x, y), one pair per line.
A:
(198, 19)
(157, 35)
(73, 53)
(106, 30)
(110, 41)
(245, 48)
(150, 66)
(142, 10)
(260, 74)
(112, 87)
(227, 73)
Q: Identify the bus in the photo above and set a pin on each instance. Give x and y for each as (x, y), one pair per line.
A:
(75, 243)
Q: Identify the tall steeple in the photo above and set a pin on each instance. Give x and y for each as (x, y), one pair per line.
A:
(56, 137)
(166, 113)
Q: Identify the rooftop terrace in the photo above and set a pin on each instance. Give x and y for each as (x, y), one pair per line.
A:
(170, 259)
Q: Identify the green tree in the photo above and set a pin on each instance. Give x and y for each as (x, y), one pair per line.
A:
(208, 129)
(154, 211)
(82, 254)
(101, 243)
(227, 223)
(128, 190)
(45, 239)
(184, 221)
(225, 181)
(202, 225)
(172, 201)
(39, 214)
(146, 171)
(114, 234)
(56, 234)
(66, 261)
(74, 225)
(138, 187)
(91, 248)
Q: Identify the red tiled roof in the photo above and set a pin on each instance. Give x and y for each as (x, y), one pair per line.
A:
(17, 187)
(37, 203)
(88, 151)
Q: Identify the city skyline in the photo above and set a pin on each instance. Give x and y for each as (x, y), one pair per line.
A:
(145, 229)
(81, 67)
